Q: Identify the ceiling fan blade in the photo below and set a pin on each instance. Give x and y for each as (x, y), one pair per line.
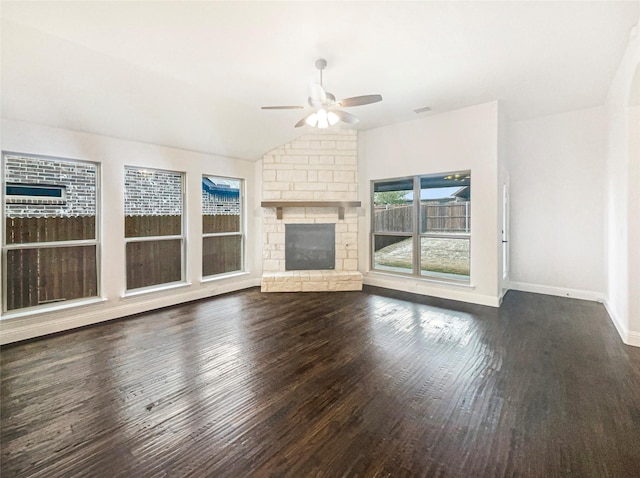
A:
(360, 100)
(282, 107)
(346, 117)
(302, 122)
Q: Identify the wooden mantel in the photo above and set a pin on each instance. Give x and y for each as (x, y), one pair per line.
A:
(341, 205)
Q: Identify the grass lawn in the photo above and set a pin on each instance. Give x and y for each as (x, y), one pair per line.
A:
(443, 255)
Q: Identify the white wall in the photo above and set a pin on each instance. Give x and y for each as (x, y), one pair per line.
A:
(113, 155)
(504, 179)
(556, 166)
(465, 139)
(633, 135)
(622, 180)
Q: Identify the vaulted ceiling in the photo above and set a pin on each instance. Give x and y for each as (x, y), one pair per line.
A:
(193, 75)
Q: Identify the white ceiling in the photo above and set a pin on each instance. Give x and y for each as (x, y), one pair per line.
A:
(193, 75)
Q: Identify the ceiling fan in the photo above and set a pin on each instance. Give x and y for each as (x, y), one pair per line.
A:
(325, 106)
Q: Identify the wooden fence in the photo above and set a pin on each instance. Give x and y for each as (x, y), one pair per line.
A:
(434, 217)
(50, 274)
(221, 223)
(221, 254)
(147, 226)
(22, 230)
(153, 262)
(42, 275)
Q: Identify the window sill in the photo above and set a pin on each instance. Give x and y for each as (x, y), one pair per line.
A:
(228, 275)
(422, 279)
(44, 309)
(152, 289)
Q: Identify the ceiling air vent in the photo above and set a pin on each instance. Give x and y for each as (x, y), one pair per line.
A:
(424, 109)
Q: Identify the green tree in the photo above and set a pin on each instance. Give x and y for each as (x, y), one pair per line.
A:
(389, 197)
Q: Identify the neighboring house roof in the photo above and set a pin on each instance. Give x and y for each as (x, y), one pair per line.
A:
(463, 193)
(220, 186)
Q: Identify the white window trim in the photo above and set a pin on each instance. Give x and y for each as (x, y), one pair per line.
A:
(241, 233)
(155, 288)
(63, 304)
(182, 237)
(416, 236)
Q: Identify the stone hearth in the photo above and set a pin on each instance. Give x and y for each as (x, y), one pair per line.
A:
(311, 281)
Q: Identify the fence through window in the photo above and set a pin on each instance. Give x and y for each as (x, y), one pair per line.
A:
(222, 221)
(153, 227)
(50, 242)
(440, 205)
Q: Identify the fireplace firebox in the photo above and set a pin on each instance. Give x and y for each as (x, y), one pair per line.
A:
(310, 246)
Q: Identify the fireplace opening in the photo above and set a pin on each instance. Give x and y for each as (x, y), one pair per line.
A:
(310, 246)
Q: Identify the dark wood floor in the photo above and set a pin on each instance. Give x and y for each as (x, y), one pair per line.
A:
(367, 384)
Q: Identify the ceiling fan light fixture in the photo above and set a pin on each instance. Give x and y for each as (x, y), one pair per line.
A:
(332, 118)
(312, 120)
(324, 106)
(323, 121)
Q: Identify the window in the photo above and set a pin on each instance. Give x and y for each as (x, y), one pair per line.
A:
(153, 227)
(440, 206)
(18, 193)
(50, 246)
(222, 219)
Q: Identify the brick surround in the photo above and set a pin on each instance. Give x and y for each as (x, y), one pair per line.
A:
(319, 166)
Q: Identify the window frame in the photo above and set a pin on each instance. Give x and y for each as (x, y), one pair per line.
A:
(416, 235)
(96, 241)
(240, 232)
(407, 234)
(37, 198)
(182, 236)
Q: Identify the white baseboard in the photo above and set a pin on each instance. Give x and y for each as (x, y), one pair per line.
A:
(43, 323)
(557, 291)
(629, 337)
(633, 338)
(462, 293)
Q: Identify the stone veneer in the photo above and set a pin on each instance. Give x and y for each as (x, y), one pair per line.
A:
(318, 166)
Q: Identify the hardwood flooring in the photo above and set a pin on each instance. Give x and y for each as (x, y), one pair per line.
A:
(358, 384)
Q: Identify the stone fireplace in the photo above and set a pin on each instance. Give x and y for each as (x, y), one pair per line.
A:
(312, 181)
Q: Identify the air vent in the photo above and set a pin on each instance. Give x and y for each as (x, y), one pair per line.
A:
(423, 109)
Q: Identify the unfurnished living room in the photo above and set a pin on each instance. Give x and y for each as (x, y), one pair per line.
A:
(320, 239)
